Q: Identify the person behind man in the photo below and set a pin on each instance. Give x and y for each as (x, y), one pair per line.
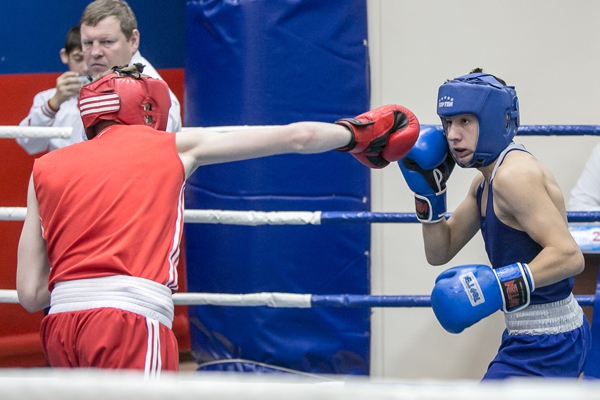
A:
(57, 107)
(585, 196)
(107, 36)
(100, 242)
(519, 207)
(110, 37)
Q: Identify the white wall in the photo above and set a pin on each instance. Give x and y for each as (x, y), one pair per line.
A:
(549, 50)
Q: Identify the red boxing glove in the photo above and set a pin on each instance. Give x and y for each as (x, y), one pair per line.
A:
(382, 135)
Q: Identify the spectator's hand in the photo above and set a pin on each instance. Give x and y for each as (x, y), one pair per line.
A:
(67, 85)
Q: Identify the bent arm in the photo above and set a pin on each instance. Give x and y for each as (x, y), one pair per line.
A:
(444, 239)
(40, 114)
(540, 212)
(199, 146)
(33, 267)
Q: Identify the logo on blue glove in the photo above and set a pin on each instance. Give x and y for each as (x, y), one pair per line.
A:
(516, 286)
(472, 289)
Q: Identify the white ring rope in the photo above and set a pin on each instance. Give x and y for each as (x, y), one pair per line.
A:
(12, 132)
(252, 218)
(276, 300)
(16, 131)
(9, 296)
(12, 213)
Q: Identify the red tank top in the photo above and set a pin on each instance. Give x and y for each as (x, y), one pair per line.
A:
(113, 206)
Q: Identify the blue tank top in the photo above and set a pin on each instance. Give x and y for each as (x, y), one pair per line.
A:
(505, 245)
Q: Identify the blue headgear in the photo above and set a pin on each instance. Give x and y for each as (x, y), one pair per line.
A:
(495, 106)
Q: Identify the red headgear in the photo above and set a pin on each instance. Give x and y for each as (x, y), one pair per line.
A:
(125, 96)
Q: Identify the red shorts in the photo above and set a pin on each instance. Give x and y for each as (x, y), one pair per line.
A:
(109, 338)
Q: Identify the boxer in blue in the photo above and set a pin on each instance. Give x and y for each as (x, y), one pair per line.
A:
(519, 207)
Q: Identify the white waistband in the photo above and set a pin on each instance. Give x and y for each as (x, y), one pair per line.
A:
(138, 295)
(546, 319)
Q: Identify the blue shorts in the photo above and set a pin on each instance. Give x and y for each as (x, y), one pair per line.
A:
(560, 355)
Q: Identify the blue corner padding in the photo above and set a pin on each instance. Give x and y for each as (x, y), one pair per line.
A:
(263, 63)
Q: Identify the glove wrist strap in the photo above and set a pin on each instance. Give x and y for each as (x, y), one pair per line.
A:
(516, 285)
(352, 144)
(430, 208)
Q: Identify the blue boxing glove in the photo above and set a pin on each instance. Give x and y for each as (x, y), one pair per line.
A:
(426, 169)
(466, 294)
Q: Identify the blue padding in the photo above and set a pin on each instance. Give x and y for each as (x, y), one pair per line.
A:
(264, 63)
(257, 62)
(42, 26)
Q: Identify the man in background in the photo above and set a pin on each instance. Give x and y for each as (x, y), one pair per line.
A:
(106, 37)
(109, 38)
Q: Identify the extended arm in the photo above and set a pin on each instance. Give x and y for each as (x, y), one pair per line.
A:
(203, 147)
(33, 267)
(374, 138)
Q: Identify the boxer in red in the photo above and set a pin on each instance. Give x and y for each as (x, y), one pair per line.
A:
(100, 242)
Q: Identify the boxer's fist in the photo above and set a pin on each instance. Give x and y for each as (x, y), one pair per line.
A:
(426, 169)
(381, 135)
(464, 295)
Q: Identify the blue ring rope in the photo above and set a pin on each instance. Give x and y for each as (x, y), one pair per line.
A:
(334, 217)
(551, 130)
(365, 300)
(559, 130)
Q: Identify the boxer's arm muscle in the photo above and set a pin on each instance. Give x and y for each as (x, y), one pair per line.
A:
(536, 213)
(445, 239)
(199, 146)
(33, 267)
